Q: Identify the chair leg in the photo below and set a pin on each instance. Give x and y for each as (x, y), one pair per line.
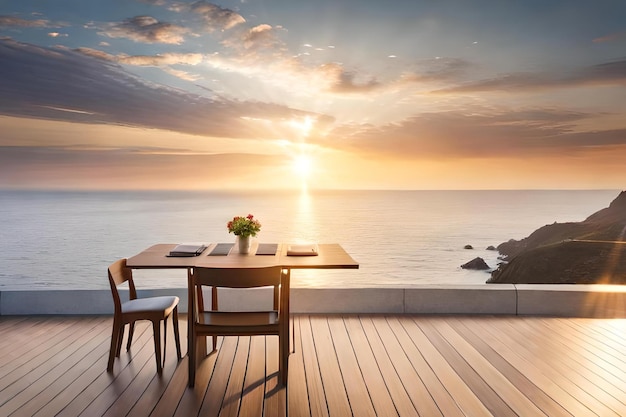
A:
(131, 332)
(156, 327)
(120, 337)
(164, 340)
(176, 333)
(283, 360)
(283, 353)
(293, 334)
(115, 335)
(191, 356)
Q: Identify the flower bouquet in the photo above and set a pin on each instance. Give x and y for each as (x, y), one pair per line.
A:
(244, 227)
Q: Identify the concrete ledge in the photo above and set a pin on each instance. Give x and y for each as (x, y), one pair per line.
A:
(71, 301)
(572, 300)
(547, 300)
(347, 300)
(470, 299)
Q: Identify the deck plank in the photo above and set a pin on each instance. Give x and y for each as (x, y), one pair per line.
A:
(409, 376)
(141, 354)
(334, 384)
(370, 369)
(590, 377)
(505, 388)
(436, 388)
(192, 398)
(214, 396)
(464, 398)
(39, 347)
(603, 337)
(234, 388)
(166, 391)
(318, 406)
(21, 331)
(31, 378)
(533, 383)
(275, 403)
(382, 365)
(611, 357)
(40, 394)
(356, 388)
(147, 397)
(554, 360)
(298, 398)
(470, 375)
(397, 390)
(254, 384)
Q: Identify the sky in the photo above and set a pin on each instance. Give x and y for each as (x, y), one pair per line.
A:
(325, 94)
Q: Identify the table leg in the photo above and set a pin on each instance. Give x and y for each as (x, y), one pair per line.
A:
(201, 349)
(284, 343)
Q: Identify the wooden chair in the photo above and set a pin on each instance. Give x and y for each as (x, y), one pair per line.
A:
(154, 309)
(215, 323)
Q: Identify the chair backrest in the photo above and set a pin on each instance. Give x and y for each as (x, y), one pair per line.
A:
(119, 273)
(237, 278)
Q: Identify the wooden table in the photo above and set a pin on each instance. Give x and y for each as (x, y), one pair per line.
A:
(330, 256)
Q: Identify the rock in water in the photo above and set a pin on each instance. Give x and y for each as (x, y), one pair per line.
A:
(476, 263)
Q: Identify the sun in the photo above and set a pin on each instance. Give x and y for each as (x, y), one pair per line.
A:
(302, 166)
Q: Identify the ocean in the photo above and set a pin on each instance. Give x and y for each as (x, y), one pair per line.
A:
(62, 239)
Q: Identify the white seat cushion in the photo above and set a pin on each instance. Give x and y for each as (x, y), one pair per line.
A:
(165, 303)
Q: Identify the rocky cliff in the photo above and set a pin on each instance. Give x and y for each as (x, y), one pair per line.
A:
(591, 251)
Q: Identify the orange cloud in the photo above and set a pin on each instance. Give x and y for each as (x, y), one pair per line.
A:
(610, 38)
(147, 29)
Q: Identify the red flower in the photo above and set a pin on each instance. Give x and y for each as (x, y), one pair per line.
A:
(244, 226)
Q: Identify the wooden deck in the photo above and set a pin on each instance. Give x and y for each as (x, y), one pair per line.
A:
(343, 365)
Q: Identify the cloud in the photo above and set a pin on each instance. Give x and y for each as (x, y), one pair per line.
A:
(36, 81)
(161, 59)
(183, 75)
(259, 51)
(147, 29)
(477, 134)
(610, 73)
(255, 41)
(131, 168)
(95, 53)
(437, 70)
(19, 22)
(612, 37)
(261, 36)
(153, 2)
(344, 82)
(216, 17)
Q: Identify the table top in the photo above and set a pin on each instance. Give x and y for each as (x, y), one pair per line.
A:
(330, 256)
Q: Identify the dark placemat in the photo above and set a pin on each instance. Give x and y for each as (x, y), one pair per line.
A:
(267, 249)
(221, 249)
